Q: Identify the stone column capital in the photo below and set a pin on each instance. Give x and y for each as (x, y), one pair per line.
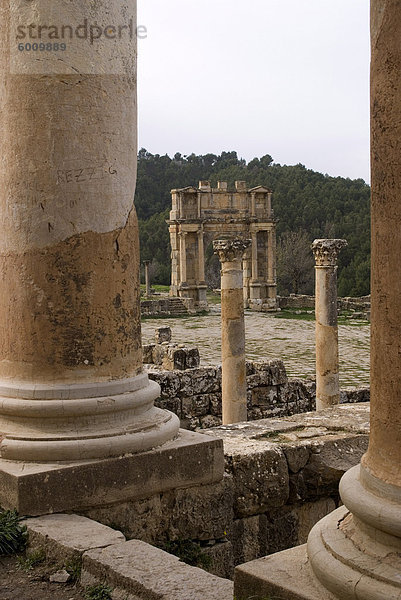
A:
(326, 251)
(230, 250)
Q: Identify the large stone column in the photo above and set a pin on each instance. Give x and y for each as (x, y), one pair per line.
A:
(356, 551)
(71, 380)
(230, 253)
(327, 377)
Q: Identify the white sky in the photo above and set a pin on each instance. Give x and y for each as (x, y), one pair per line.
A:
(289, 78)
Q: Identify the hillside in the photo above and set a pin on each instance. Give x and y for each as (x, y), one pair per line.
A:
(307, 203)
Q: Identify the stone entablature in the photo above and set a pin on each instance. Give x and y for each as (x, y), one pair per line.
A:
(201, 215)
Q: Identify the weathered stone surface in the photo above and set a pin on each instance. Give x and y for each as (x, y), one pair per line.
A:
(248, 538)
(65, 537)
(282, 576)
(260, 477)
(328, 462)
(195, 513)
(162, 334)
(221, 555)
(36, 489)
(61, 576)
(145, 572)
(271, 372)
(309, 513)
(147, 353)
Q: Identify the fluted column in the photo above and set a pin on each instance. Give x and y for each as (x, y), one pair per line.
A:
(234, 391)
(327, 376)
(356, 551)
(71, 380)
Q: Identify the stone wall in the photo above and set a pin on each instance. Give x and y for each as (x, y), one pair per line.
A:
(168, 307)
(281, 477)
(361, 306)
(195, 394)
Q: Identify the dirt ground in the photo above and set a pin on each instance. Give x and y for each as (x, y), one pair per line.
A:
(17, 583)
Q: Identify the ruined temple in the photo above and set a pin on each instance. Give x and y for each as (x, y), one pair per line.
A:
(201, 215)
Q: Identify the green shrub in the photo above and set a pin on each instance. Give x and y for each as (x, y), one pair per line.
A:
(12, 534)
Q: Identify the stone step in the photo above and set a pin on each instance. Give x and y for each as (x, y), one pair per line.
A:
(137, 571)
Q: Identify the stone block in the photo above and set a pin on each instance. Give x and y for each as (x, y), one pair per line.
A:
(215, 405)
(144, 572)
(195, 406)
(309, 513)
(169, 382)
(265, 395)
(162, 334)
(66, 537)
(193, 358)
(36, 489)
(248, 538)
(195, 513)
(221, 555)
(147, 353)
(260, 476)
(330, 458)
(205, 379)
(175, 359)
(169, 403)
(282, 576)
(158, 354)
(271, 372)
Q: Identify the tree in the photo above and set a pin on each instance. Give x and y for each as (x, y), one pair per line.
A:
(295, 263)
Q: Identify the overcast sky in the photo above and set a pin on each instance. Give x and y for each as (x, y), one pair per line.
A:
(289, 78)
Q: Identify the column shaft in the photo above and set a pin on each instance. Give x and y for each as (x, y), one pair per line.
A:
(327, 377)
(201, 257)
(71, 381)
(183, 257)
(234, 389)
(255, 274)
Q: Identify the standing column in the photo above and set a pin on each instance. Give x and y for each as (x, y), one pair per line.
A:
(357, 554)
(327, 379)
(271, 256)
(71, 380)
(183, 257)
(255, 273)
(147, 278)
(201, 257)
(234, 391)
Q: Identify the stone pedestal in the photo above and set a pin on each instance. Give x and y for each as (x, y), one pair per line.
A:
(327, 377)
(71, 381)
(231, 253)
(355, 553)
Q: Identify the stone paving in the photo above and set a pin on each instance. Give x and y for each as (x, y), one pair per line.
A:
(267, 337)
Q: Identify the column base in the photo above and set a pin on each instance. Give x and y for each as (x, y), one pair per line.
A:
(35, 489)
(47, 423)
(349, 556)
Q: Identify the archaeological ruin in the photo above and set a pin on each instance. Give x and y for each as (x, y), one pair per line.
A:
(298, 504)
(201, 215)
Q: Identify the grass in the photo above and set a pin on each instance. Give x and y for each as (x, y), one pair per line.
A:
(189, 552)
(13, 535)
(31, 560)
(98, 592)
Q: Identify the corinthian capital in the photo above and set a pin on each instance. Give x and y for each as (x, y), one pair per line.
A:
(230, 250)
(326, 251)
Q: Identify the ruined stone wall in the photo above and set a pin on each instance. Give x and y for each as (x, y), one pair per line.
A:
(195, 394)
(281, 477)
(361, 304)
